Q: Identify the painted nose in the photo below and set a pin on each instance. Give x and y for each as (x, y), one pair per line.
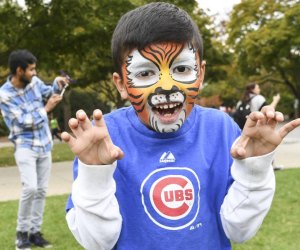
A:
(166, 81)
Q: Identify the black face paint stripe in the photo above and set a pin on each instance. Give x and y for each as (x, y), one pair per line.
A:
(135, 96)
(140, 110)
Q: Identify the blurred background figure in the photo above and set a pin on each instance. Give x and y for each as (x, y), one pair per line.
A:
(23, 106)
(55, 129)
(251, 101)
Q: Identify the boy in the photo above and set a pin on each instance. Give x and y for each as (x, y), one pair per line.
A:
(157, 175)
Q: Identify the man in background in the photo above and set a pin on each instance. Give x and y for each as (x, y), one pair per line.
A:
(22, 99)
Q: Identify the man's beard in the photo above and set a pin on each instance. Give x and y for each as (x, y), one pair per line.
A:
(25, 81)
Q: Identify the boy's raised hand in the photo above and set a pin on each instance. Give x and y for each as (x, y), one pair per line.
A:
(92, 144)
(260, 135)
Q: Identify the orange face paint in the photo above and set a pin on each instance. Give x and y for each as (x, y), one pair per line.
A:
(162, 81)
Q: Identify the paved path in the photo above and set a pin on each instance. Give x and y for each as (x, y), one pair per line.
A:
(60, 181)
(287, 154)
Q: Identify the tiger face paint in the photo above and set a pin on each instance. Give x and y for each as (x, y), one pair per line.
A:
(162, 82)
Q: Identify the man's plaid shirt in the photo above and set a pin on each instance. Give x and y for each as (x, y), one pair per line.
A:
(25, 116)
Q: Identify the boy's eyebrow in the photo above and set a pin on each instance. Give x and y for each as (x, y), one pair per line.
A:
(142, 65)
(183, 60)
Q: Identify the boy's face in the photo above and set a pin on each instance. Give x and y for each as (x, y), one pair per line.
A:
(162, 82)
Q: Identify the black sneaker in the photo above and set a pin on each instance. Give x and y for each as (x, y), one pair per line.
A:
(22, 241)
(38, 240)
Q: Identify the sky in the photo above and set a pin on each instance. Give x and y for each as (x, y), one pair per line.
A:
(221, 7)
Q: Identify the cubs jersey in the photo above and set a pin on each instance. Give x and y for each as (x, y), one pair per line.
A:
(170, 186)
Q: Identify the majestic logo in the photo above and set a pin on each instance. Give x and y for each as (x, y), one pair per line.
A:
(167, 157)
(170, 197)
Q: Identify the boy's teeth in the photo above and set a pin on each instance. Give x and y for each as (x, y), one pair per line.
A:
(167, 106)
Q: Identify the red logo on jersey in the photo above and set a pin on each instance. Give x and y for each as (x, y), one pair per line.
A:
(172, 196)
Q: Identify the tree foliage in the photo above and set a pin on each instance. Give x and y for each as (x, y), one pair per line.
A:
(75, 36)
(265, 37)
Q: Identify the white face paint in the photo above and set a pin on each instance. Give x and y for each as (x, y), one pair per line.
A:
(142, 72)
(162, 82)
(184, 67)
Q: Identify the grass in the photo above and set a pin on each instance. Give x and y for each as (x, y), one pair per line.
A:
(281, 228)
(279, 231)
(54, 228)
(60, 152)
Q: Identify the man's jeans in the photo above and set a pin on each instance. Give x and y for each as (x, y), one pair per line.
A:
(34, 171)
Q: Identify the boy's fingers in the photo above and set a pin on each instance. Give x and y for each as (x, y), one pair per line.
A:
(274, 121)
(98, 118)
(279, 116)
(84, 122)
(117, 153)
(253, 118)
(74, 126)
(287, 128)
(66, 137)
(238, 152)
(268, 111)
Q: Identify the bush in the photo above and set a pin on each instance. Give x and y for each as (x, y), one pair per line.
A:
(3, 128)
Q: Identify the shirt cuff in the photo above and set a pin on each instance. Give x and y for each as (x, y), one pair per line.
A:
(94, 179)
(55, 87)
(253, 172)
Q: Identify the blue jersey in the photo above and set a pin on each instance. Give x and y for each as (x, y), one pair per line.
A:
(170, 186)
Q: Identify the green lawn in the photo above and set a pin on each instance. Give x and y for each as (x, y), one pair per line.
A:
(280, 230)
(54, 227)
(60, 152)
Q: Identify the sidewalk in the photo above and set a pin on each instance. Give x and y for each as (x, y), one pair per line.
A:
(60, 181)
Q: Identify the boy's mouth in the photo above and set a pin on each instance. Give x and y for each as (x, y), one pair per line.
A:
(167, 113)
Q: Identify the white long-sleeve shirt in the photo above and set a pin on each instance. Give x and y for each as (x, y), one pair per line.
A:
(96, 221)
(171, 191)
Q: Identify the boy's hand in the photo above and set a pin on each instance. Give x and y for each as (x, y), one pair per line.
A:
(260, 135)
(92, 144)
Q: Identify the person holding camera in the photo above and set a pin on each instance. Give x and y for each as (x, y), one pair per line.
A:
(22, 99)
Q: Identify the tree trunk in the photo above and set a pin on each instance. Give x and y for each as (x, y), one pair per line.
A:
(67, 110)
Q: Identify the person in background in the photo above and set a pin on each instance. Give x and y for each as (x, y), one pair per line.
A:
(22, 105)
(165, 173)
(55, 130)
(257, 101)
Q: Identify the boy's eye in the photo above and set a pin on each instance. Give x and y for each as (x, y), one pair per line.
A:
(145, 74)
(181, 69)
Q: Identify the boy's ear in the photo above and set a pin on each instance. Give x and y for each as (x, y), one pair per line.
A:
(202, 72)
(120, 85)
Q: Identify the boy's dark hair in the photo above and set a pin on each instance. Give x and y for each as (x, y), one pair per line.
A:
(20, 58)
(153, 23)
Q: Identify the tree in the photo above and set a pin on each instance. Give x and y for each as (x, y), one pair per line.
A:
(265, 37)
(12, 23)
(64, 34)
(76, 36)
